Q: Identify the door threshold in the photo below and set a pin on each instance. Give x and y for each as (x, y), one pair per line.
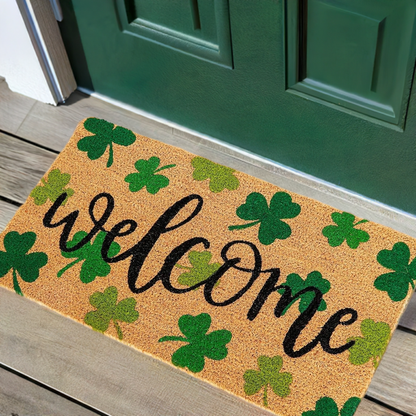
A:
(283, 176)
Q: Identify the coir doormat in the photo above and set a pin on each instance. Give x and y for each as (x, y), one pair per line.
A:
(267, 294)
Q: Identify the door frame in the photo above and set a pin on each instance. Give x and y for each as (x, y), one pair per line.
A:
(39, 52)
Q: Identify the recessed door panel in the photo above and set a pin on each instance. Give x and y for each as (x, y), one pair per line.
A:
(358, 54)
(196, 27)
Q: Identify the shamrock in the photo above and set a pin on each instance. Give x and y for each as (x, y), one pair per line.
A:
(396, 283)
(147, 176)
(327, 406)
(93, 265)
(269, 374)
(109, 310)
(15, 258)
(372, 345)
(271, 226)
(104, 135)
(200, 345)
(53, 188)
(296, 284)
(220, 176)
(345, 230)
(200, 270)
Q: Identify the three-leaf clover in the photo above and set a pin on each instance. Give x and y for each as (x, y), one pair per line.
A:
(147, 176)
(270, 219)
(109, 310)
(326, 406)
(201, 268)
(90, 254)
(372, 345)
(396, 283)
(104, 135)
(220, 176)
(200, 344)
(16, 258)
(345, 230)
(296, 284)
(269, 374)
(52, 188)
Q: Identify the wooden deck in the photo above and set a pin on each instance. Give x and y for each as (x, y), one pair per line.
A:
(50, 365)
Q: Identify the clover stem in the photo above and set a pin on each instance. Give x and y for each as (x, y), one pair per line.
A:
(164, 167)
(173, 338)
(412, 284)
(110, 158)
(64, 269)
(16, 286)
(375, 363)
(119, 332)
(265, 396)
(360, 222)
(183, 267)
(241, 227)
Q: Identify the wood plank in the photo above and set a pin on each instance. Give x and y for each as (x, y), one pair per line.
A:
(13, 108)
(21, 167)
(53, 126)
(367, 408)
(6, 213)
(408, 319)
(19, 396)
(117, 379)
(394, 382)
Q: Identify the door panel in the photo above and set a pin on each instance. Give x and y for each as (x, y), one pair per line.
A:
(354, 53)
(199, 28)
(255, 103)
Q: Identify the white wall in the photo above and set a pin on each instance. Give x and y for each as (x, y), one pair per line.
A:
(19, 64)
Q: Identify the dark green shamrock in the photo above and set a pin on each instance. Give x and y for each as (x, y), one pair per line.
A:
(90, 254)
(396, 283)
(326, 406)
(104, 135)
(109, 310)
(147, 176)
(200, 270)
(16, 258)
(53, 188)
(200, 344)
(271, 227)
(220, 176)
(371, 345)
(296, 284)
(269, 374)
(345, 230)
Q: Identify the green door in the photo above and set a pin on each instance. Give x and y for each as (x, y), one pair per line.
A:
(323, 86)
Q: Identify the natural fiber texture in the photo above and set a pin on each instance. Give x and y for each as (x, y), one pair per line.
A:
(267, 294)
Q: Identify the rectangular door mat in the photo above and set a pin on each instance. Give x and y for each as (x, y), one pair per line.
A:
(272, 296)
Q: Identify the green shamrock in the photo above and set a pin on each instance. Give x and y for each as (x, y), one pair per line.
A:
(296, 284)
(104, 135)
(269, 374)
(326, 406)
(396, 283)
(271, 226)
(53, 188)
(16, 258)
(372, 345)
(345, 230)
(220, 176)
(109, 310)
(200, 344)
(147, 176)
(90, 254)
(200, 270)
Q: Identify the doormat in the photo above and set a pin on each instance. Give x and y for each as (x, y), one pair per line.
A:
(272, 296)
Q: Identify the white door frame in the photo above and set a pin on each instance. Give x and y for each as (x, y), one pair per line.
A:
(33, 59)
